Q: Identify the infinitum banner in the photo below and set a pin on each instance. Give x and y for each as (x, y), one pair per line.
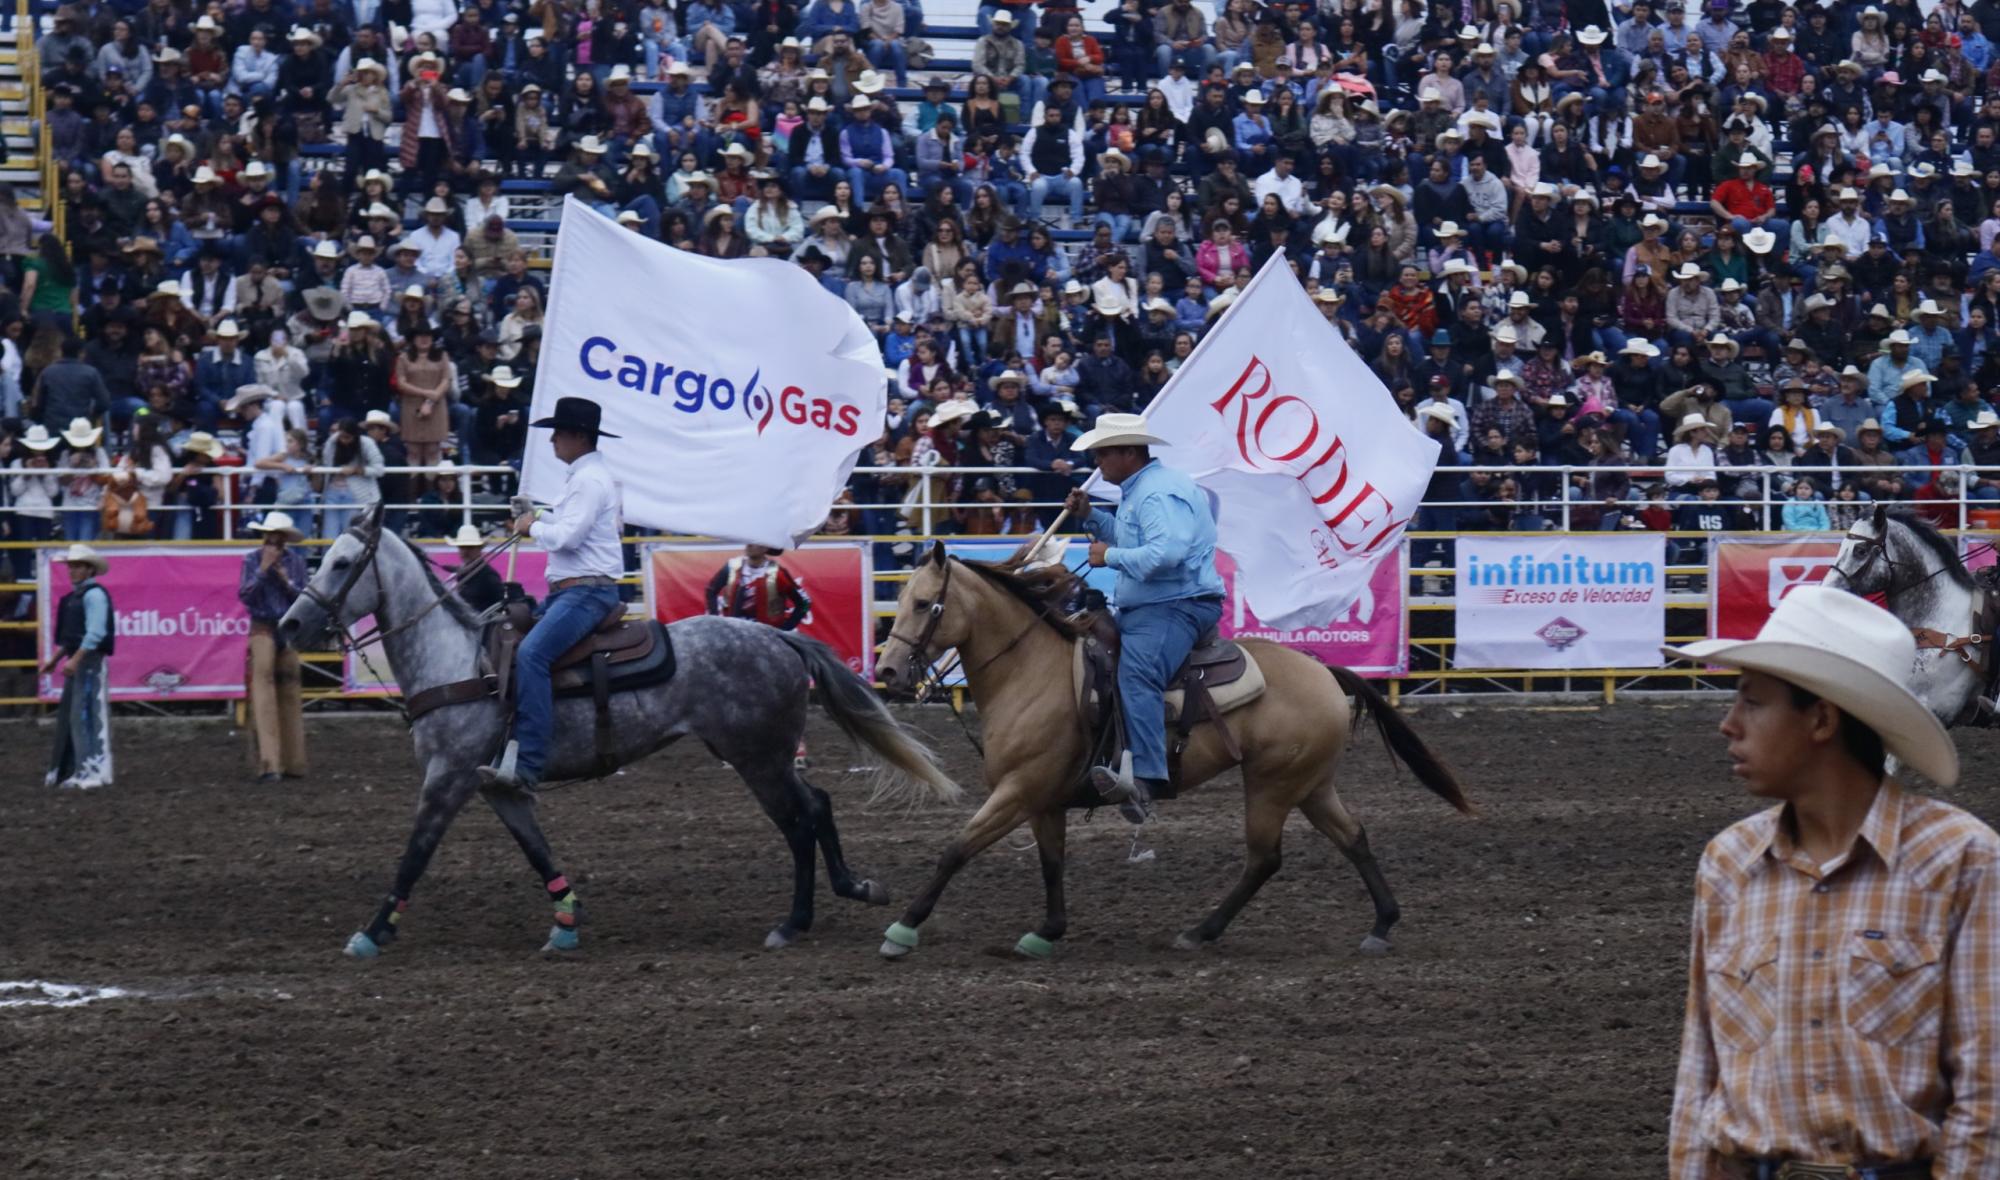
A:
(1561, 601)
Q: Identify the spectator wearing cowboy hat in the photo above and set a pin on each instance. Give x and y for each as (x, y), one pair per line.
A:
(86, 635)
(1844, 942)
(271, 580)
(476, 581)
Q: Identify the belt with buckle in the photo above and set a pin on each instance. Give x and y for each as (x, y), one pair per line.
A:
(1800, 1170)
(585, 580)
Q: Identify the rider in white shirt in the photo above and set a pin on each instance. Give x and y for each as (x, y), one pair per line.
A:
(581, 535)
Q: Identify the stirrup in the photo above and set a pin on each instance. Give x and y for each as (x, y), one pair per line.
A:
(505, 775)
(1134, 801)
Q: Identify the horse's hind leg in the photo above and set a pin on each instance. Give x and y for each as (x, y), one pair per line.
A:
(1263, 837)
(443, 794)
(839, 876)
(1327, 813)
(1051, 830)
(788, 801)
(517, 811)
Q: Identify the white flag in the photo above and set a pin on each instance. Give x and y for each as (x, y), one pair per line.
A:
(743, 391)
(1315, 469)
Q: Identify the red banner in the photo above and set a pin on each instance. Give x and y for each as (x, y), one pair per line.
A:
(1749, 576)
(834, 574)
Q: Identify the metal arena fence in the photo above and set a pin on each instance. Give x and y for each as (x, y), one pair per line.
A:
(926, 509)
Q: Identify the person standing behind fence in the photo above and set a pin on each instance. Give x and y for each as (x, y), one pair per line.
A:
(86, 636)
(271, 579)
(32, 487)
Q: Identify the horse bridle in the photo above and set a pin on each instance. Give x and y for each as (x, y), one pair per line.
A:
(336, 606)
(1877, 549)
(920, 649)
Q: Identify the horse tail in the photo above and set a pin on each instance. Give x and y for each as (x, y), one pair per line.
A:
(1401, 740)
(862, 716)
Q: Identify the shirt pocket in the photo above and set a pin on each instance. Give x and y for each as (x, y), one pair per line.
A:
(1742, 984)
(1894, 990)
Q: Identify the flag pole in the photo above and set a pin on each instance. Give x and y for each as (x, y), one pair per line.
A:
(1089, 482)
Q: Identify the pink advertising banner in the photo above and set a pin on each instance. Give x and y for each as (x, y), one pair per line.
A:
(1371, 637)
(531, 569)
(181, 631)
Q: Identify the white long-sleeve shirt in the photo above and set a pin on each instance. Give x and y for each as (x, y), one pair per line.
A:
(581, 531)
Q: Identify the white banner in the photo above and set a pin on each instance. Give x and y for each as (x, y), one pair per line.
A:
(1316, 471)
(1578, 600)
(744, 391)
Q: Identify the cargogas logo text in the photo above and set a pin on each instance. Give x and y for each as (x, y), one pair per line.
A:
(186, 623)
(692, 391)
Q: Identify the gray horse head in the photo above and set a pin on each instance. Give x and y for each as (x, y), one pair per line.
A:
(1902, 558)
(347, 588)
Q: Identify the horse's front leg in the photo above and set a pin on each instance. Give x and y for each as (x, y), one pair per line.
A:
(517, 811)
(445, 791)
(1002, 813)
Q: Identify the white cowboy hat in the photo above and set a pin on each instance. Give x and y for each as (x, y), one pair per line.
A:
(1519, 299)
(1505, 334)
(1591, 35)
(1323, 295)
(1759, 240)
(1986, 420)
(248, 395)
(1118, 430)
(1643, 348)
(1899, 197)
(379, 418)
(816, 103)
(1543, 189)
(1838, 434)
(206, 175)
(468, 537)
(1652, 221)
(1441, 412)
(82, 434)
(85, 555)
(1929, 307)
(1720, 341)
(952, 411)
(1002, 17)
(413, 291)
(1457, 266)
(1899, 336)
(1915, 377)
(861, 102)
(504, 377)
(1556, 399)
(38, 438)
(1506, 377)
(1011, 375)
(590, 145)
(1688, 270)
(276, 522)
(1747, 160)
(1854, 655)
(256, 168)
(1691, 423)
(1652, 161)
(326, 249)
(201, 442)
(870, 82)
(1729, 285)
(359, 319)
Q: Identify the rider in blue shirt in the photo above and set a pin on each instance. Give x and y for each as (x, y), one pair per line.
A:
(1162, 543)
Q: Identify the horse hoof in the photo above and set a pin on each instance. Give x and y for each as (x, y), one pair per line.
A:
(898, 940)
(1375, 945)
(361, 947)
(779, 939)
(561, 938)
(1189, 942)
(874, 893)
(1034, 946)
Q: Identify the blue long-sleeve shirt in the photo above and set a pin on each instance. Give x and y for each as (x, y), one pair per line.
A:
(821, 19)
(1162, 539)
(719, 14)
(96, 617)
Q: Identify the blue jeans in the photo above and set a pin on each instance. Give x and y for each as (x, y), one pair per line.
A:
(890, 55)
(567, 616)
(1045, 187)
(1156, 639)
(868, 183)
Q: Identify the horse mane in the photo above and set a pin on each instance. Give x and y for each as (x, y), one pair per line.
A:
(1044, 589)
(459, 608)
(1941, 546)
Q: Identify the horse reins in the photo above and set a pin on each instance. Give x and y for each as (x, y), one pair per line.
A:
(1965, 647)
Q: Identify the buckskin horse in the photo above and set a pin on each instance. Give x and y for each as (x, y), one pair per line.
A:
(741, 688)
(1015, 642)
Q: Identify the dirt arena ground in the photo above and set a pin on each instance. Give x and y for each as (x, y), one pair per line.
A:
(1526, 1025)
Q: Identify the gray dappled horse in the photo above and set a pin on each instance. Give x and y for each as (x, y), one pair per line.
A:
(740, 687)
(1922, 580)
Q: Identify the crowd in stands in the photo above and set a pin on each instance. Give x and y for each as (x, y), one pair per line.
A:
(1753, 249)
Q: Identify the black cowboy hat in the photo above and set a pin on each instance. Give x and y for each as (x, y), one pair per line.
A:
(579, 414)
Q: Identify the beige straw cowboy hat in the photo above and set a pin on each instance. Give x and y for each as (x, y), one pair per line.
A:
(276, 522)
(85, 555)
(1119, 430)
(1853, 654)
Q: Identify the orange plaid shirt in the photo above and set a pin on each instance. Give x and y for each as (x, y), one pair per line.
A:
(1845, 1014)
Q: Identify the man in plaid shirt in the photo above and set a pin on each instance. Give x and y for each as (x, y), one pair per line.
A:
(1843, 1000)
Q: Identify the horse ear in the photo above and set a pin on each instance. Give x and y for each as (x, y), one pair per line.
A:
(937, 555)
(1881, 517)
(370, 522)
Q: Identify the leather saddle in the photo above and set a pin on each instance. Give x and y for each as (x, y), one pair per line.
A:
(620, 655)
(1218, 677)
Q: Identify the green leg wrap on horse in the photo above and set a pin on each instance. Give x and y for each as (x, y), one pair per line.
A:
(901, 935)
(1034, 946)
